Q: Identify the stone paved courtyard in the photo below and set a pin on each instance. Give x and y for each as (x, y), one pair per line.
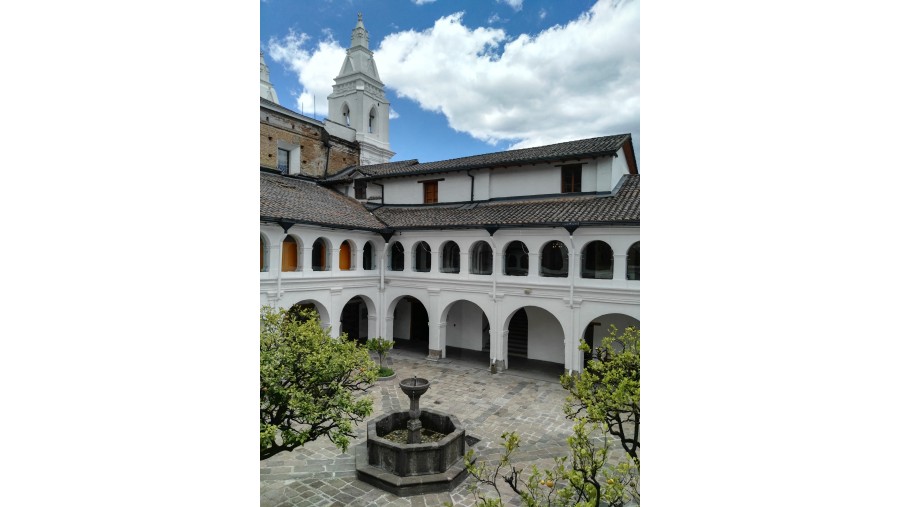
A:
(486, 404)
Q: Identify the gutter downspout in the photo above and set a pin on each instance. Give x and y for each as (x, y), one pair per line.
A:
(472, 195)
(491, 230)
(387, 237)
(325, 141)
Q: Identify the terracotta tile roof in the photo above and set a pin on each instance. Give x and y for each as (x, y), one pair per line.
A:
(622, 208)
(583, 148)
(304, 201)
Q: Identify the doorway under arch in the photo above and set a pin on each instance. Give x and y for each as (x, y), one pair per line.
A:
(355, 319)
(535, 339)
(468, 332)
(410, 324)
(599, 328)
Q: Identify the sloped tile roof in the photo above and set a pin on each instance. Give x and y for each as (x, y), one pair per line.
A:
(583, 148)
(624, 208)
(374, 169)
(297, 200)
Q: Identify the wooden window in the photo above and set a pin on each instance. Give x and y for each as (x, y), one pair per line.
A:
(431, 194)
(359, 187)
(344, 259)
(571, 178)
(289, 254)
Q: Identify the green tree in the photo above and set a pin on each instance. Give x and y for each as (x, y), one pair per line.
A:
(381, 346)
(310, 384)
(608, 391)
(604, 400)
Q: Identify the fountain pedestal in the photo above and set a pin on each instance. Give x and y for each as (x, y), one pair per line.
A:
(413, 468)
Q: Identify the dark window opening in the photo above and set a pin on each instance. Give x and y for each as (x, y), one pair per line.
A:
(450, 258)
(516, 259)
(571, 178)
(555, 260)
(422, 257)
(633, 262)
(320, 255)
(397, 257)
(359, 188)
(597, 261)
(367, 256)
(482, 259)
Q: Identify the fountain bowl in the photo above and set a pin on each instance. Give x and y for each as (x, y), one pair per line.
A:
(414, 386)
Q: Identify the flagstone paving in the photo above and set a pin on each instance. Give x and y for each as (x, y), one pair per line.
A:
(486, 404)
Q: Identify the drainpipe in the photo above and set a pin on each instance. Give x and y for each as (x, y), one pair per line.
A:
(325, 141)
(491, 230)
(472, 195)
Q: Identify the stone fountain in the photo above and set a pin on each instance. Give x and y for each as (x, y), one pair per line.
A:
(414, 467)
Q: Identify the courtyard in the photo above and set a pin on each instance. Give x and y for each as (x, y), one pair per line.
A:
(526, 400)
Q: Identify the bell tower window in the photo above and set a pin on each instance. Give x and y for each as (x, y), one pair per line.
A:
(345, 112)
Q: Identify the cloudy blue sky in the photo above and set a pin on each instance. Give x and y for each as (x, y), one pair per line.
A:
(469, 76)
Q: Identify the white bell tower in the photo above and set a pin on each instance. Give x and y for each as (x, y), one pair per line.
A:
(358, 100)
(266, 90)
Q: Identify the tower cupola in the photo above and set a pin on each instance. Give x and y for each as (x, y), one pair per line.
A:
(357, 107)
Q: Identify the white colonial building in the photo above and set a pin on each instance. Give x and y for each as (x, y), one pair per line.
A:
(515, 254)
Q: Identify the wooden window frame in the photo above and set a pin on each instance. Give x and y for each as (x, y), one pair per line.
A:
(431, 185)
(570, 178)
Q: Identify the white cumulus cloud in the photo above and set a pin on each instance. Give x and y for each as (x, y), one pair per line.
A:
(315, 67)
(515, 4)
(422, 2)
(567, 82)
(393, 114)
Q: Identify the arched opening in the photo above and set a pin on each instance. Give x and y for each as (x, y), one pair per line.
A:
(372, 121)
(295, 311)
(410, 324)
(320, 255)
(597, 261)
(481, 259)
(368, 262)
(396, 252)
(345, 257)
(600, 327)
(633, 262)
(535, 341)
(422, 257)
(355, 319)
(450, 257)
(263, 255)
(555, 260)
(468, 332)
(345, 112)
(289, 256)
(515, 259)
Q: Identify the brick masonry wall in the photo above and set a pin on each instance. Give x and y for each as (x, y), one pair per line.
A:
(274, 127)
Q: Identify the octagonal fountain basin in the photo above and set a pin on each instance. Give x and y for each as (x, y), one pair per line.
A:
(413, 469)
